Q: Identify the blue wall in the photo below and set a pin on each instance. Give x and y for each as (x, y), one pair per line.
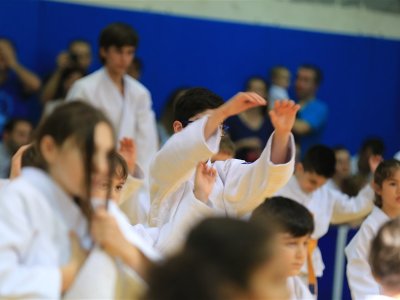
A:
(362, 75)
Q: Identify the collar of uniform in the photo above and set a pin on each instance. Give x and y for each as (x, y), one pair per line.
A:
(62, 203)
(379, 216)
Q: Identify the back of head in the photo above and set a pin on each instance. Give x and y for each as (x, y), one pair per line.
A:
(195, 101)
(384, 171)
(384, 257)
(374, 145)
(320, 160)
(184, 277)
(287, 215)
(234, 247)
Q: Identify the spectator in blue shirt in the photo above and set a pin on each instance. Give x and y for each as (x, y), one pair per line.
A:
(313, 115)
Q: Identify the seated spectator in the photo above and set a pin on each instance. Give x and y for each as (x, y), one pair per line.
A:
(77, 58)
(313, 115)
(342, 168)
(280, 82)
(250, 130)
(17, 133)
(17, 83)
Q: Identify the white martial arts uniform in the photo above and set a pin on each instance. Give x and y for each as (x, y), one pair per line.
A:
(239, 188)
(328, 206)
(298, 291)
(132, 117)
(379, 297)
(36, 216)
(359, 277)
(131, 113)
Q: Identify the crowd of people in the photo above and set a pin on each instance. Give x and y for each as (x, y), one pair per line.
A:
(230, 206)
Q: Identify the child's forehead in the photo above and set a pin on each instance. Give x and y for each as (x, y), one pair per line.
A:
(288, 235)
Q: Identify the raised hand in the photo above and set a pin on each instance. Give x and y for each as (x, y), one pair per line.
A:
(204, 181)
(283, 115)
(8, 54)
(374, 161)
(242, 102)
(127, 149)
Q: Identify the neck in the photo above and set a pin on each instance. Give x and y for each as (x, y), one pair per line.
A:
(117, 78)
(389, 293)
(306, 99)
(391, 212)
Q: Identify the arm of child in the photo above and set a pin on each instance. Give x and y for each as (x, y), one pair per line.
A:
(347, 208)
(359, 277)
(106, 231)
(247, 185)
(175, 162)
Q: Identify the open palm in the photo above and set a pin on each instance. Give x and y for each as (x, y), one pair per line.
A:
(283, 115)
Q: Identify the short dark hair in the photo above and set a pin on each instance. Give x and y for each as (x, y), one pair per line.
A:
(11, 124)
(195, 101)
(385, 170)
(286, 214)
(384, 256)
(318, 75)
(321, 160)
(118, 35)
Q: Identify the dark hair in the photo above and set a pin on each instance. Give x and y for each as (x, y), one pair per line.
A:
(118, 35)
(385, 170)
(193, 102)
(318, 75)
(374, 144)
(216, 240)
(253, 78)
(321, 160)
(11, 124)
(120, 166)
(66, 73)
(167, 115)
(384, 256)
(184, 277)
(78, 120)
(217, 251)
(288, 215)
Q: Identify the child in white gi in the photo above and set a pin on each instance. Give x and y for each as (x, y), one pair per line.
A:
(387, 206)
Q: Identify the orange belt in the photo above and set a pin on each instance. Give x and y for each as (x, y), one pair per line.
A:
(312, 278)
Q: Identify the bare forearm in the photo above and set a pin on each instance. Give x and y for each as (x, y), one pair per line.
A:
(280, 147)
(134, 258)
(49, 90)
(29, 80)
(214, 121)
(301, 127)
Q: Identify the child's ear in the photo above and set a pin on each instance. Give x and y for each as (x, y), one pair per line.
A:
(177, 126)
(299, 167)
(376, 188)
(48, 149)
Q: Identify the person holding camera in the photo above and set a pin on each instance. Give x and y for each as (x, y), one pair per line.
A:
(71, 66)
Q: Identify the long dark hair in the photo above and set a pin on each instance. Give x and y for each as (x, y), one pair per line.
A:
(73, 119)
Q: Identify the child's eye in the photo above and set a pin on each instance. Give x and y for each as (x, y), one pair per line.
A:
(118, 188)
